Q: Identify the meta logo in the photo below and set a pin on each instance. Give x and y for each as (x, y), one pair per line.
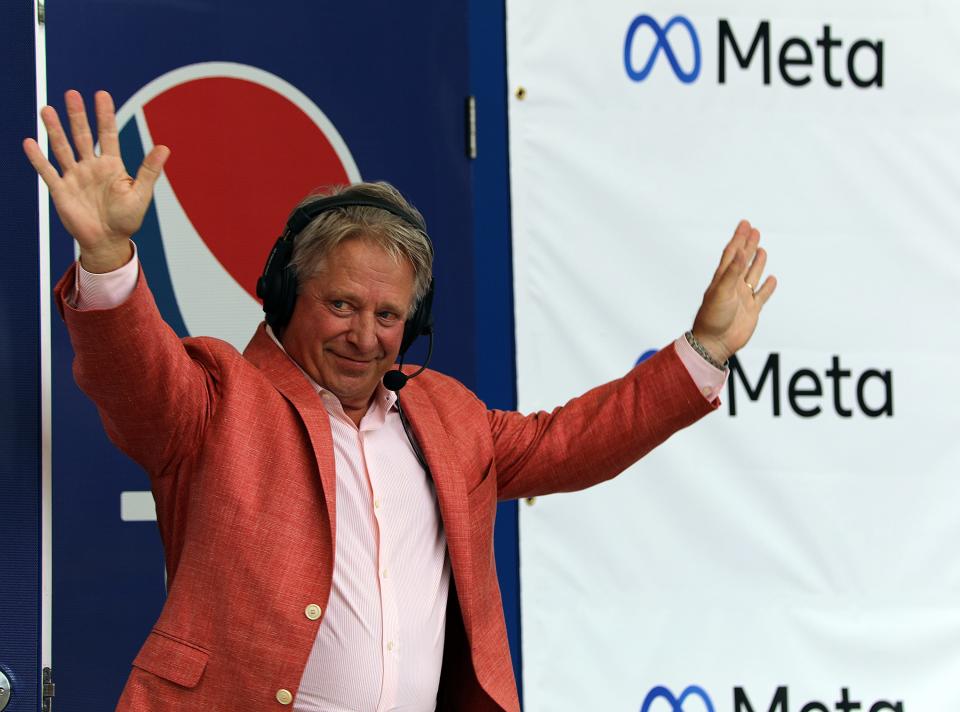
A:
(780, 703)
(663, 45)
(741, 702)
(804, 393)
(805, 389)
(676, 703)
(796, 57)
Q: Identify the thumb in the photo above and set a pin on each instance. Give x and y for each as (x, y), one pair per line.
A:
(150, 170)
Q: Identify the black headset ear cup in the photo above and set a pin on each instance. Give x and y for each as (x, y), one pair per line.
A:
(288, 295)
(278, 285)
(420, 322)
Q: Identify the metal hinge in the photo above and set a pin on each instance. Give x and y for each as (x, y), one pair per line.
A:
(471, 126)
(41, 11)
(49, 690)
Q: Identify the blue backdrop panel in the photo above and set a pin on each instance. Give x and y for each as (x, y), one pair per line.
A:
(393, 79)
(496, 352)
(19, 366)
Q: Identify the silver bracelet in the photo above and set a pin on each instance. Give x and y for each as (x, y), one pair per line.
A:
(700, 349)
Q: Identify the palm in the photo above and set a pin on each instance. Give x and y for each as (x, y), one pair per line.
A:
(99, 199)
(731, 305)
(98, 202)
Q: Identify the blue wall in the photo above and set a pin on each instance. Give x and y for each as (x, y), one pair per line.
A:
(396, 92)
(493, 271)
(478, 252)
(19, 366)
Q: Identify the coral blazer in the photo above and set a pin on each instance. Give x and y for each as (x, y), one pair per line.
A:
(240, 458)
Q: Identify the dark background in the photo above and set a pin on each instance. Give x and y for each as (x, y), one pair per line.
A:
(393, 78)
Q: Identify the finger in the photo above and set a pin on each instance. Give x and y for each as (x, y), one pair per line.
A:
(752, 244)
(150, 170)
(107, 124)
(40, 163)
(736, 242)
(763, 294)
(79, 126)
(734, 271)
(756, 268)
(59, 144)
(731, 248)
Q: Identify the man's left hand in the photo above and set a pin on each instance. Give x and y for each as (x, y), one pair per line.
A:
(732, 303)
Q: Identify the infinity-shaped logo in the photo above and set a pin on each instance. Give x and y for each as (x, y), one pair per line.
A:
(662, 44)
(676, 703)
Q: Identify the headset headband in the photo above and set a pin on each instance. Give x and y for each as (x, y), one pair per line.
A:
(306, 214)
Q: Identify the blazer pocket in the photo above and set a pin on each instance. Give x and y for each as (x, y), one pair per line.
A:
(172, 659)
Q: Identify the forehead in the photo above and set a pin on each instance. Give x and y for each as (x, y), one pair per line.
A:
(361, 266)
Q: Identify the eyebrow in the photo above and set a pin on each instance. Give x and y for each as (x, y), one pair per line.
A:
(354, 299)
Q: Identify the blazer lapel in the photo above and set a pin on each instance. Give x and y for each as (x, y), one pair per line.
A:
(287, 378)
(439, 451)
(440, 454)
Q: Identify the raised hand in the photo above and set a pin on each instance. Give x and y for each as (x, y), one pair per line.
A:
(732, 303)
(98, 202)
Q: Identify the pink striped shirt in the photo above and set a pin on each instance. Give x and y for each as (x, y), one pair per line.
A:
(380, 645)
(380, 642)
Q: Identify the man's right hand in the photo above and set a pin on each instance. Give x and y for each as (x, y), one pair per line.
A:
(98, 202)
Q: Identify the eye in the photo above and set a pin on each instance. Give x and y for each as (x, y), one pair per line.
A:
(387, 317)
(339, 305)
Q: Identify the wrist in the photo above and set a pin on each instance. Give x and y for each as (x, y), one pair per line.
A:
(106, 259)
(712, 350)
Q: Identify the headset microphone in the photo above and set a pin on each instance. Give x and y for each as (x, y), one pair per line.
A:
(397, 379)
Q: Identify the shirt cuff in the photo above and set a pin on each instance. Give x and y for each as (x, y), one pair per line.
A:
(709, 379)
(107, 290)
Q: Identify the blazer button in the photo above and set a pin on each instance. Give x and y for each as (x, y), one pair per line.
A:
(313, 611)
(284, 697)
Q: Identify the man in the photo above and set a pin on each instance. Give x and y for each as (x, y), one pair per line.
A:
(319, 555)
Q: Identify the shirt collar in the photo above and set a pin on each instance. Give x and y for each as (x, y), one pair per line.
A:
(382, 397)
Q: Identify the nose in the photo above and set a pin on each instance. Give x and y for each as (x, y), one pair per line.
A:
(363, 333)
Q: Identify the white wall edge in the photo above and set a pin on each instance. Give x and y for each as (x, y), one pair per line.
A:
(46, 441)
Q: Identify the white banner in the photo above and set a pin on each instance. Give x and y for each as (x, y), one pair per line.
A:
(794, 552)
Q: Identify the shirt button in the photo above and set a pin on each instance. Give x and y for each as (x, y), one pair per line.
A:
(706, 392)
(313, 611)
(284, 697)
(376, 503)
(384, 573)
(390, 645)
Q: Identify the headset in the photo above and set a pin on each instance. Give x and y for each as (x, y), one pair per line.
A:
(277, 287)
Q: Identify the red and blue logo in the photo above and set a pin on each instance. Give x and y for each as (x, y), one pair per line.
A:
(246, 147)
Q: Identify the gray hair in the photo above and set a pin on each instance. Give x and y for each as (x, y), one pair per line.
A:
(393, 234)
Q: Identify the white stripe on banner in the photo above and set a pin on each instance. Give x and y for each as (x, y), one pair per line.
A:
(795, 550)
(137, 507)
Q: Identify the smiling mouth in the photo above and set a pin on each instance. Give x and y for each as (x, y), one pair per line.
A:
(356, 363)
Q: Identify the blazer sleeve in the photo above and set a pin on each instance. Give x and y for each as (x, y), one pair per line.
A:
(154, 393)
(598, 435)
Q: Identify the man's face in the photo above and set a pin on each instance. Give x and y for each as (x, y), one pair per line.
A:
(347, 323)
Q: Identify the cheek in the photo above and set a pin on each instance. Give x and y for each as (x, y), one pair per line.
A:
(326, 327)
(391, 341)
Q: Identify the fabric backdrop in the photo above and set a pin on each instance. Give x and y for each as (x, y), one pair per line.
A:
(798, 547)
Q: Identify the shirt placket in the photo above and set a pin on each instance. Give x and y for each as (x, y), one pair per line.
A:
(390, 628)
